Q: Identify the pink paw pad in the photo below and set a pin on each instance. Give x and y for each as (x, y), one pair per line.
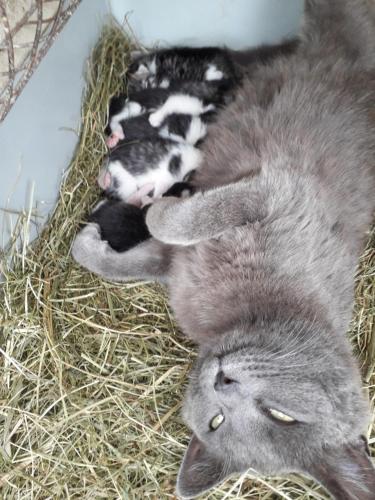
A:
(138, 196)
(113, 140)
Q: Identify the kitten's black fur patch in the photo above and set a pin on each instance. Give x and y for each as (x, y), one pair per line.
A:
(116, 104)
(150, 98)
(138, 128)
(178, 124)
(122, 225)
(174, 164)
(179, 189)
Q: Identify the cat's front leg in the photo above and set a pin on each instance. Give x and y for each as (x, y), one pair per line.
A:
(205, 215)
(149, 260)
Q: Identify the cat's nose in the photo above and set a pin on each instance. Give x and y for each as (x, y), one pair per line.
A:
(222, 382)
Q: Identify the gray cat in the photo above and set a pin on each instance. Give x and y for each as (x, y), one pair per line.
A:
(260, 266)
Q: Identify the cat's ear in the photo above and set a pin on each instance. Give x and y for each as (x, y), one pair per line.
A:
(346, 472)
(199, 470)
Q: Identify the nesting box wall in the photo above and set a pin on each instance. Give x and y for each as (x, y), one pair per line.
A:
(39, 134)
(27, 30)
(235, 23)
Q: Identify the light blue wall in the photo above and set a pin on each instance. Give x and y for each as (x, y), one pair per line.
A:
(35, 145)
(236, 23)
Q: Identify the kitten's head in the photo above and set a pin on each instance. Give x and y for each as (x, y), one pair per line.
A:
(286, 398)
(143, 70)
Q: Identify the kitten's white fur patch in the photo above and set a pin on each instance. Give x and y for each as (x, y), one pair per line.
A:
(150, 82)
(141, 73)
(212, 73)
(130, 109)
(98, 205)
(127, 183)
(179, 103)
(164, 84)
(191, 159)
(152, 66)
(196, 131)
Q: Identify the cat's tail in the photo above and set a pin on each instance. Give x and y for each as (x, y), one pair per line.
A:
(341, 28)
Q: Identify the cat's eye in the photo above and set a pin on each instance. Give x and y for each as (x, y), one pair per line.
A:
(217, 421)
(282, 417)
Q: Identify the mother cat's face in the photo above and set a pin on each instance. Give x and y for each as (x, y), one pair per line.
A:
(287, 405)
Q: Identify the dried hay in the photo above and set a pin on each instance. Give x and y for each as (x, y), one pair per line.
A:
(93, 373)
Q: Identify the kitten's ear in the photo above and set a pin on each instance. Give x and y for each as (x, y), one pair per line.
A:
(199, 470)
(346, 472)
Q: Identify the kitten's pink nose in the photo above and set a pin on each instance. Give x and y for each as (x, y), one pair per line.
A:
(104, 179)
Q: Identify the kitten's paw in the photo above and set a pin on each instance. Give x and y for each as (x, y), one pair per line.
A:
(88, 245)
(146, 200)
(112, 140)
(155, 119)
(137, 197)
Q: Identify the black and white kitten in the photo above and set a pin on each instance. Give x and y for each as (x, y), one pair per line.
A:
(178, 127)
(147, 167)
(122, 225)
(197, 99)
(204, 64)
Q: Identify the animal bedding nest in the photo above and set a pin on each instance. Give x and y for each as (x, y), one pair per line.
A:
(93, 373)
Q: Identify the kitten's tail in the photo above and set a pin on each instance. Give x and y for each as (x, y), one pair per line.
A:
(341, 28)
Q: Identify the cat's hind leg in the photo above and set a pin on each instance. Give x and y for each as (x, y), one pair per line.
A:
(149, 260)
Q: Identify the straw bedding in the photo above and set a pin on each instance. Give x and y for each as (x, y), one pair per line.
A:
(93, 373)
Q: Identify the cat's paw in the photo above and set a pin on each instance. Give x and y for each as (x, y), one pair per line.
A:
(88, 245)
(163, 221)
(156, 119)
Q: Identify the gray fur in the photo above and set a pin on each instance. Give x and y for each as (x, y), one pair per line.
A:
(151, 259)
(207, 215)
(269, 301)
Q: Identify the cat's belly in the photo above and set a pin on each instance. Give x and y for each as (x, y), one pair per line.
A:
(209, 282)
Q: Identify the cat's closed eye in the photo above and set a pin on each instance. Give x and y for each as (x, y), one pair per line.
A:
(216, 421)
(279, 416)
